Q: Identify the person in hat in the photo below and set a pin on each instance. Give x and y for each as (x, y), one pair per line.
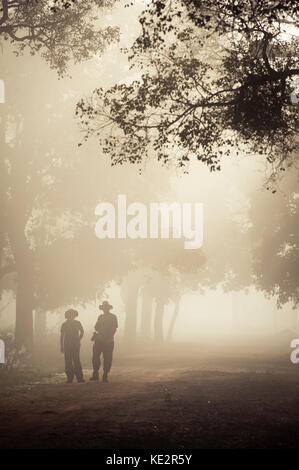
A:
(103, 338)
(71, 334)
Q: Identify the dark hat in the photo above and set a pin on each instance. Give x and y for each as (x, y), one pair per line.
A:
(71, 313)
(105, 305)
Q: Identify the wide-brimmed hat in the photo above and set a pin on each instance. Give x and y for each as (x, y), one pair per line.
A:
(71, 313)
(105, 305)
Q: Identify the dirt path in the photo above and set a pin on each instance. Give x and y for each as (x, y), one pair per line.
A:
(155, 405)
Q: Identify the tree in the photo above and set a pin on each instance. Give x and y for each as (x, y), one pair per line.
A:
(173, 318)
(130, 290)
(60, 31)
(275, 241)
(165, 272)
(215, 80)
(146, 313)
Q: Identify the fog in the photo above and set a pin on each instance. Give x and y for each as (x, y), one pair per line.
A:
(183, 303)
(53, 193)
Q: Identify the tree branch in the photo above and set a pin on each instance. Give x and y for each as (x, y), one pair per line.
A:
(267, 39)
(5, 12)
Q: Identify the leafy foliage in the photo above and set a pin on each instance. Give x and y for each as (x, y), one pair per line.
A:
(60, 31)
(215, 80)
(276, 241)
(14, 357)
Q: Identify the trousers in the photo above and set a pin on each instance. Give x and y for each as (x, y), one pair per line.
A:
(72, 361)
(106, 349)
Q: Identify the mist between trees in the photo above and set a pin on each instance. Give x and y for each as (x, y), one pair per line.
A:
(204, 115)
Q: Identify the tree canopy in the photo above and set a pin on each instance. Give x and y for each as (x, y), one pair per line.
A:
(275, 242)
(215, 79)
(60, 31)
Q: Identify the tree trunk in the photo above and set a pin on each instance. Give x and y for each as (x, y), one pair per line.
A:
(235, 313)
(40, 324)
(146, 317)
(24, 313)
(131, 289)
(16, 213)
(173, 320)
(158, 326)
(24, 262)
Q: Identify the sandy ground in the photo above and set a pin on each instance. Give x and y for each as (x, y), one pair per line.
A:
(159, 402)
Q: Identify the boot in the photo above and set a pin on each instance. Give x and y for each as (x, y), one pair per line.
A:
(94, 377)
